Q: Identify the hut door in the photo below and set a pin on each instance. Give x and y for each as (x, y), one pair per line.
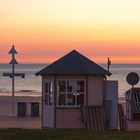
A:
(48, 104)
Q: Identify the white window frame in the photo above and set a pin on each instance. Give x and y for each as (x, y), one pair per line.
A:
(48, 94)
(66, 93)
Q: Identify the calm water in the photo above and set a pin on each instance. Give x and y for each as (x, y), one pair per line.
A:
(32, 83)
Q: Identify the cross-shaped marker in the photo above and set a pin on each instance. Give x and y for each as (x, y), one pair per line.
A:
(12, 75)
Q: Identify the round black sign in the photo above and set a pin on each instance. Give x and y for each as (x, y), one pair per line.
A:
(132, 78)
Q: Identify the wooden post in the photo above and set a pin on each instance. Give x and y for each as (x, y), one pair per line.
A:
(108, 64)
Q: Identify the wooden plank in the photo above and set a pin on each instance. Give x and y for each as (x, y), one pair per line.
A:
(82, 113)
(120, 117)
(102, 118)
(97, 121)
(89, 117)
(15, 74)
(93, 119)
(86, 117)
(138, 102)
(122, 120)
(135, 102)
(97, 117)
(94, 116)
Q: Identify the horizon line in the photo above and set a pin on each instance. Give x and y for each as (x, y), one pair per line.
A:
(54, 61)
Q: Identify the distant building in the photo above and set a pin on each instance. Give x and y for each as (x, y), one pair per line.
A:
(75, 91)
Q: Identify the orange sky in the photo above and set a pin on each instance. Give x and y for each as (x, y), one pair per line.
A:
(44, 30)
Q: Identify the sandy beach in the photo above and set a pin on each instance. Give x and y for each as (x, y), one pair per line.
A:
(7, 121)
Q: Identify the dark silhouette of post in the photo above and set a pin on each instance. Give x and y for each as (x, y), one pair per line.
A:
(12, 75)
(108, 64)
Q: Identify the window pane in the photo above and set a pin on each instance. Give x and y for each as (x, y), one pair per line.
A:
(80, 86)
(48, 87)
(62, 99)
(70, 85)
(70, 99)
(61, 86)
(80, 99)
(48, 99)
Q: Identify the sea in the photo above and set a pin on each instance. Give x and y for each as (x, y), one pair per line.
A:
(31, 84)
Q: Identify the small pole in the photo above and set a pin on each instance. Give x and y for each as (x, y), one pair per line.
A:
(108, 64)
(132, 103)
(13, 89)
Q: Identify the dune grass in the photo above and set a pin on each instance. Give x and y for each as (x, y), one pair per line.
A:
(60, 134)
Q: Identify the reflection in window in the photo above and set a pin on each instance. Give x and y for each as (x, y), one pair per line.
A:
(70, 85)
(61, 86)
(48, 87)
(48, 99)
(80, 99)
(70, 99)
(80, 86)
(62, 99)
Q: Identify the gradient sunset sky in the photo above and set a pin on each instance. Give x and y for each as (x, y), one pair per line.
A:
(45, 30)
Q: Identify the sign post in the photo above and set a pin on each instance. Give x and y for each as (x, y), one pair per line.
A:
(12, 75)
(132, 79)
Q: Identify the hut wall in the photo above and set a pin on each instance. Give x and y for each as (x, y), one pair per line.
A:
(48, 78)
(68, 118)
(71, 77)
(95, 90)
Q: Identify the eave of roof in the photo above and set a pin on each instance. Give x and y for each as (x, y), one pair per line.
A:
(73, 63)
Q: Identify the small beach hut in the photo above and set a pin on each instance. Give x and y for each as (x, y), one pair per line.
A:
(76, 94)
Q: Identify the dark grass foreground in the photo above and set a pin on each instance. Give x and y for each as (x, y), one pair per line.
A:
(21, 134)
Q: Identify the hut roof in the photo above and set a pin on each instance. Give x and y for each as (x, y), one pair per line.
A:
(73, 63)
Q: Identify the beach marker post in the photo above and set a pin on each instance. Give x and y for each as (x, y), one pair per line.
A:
(12, 75)
(108, 64)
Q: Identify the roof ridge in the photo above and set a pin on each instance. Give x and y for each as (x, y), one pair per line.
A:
(74, 63)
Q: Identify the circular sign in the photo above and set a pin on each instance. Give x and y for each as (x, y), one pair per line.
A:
(132, 78)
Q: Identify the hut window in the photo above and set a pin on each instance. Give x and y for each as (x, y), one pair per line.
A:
(62, 91)
(71, 92)
(62, 99)
(62, 86)
(80, 86)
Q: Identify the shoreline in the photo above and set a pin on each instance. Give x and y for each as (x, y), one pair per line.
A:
(26, 94)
